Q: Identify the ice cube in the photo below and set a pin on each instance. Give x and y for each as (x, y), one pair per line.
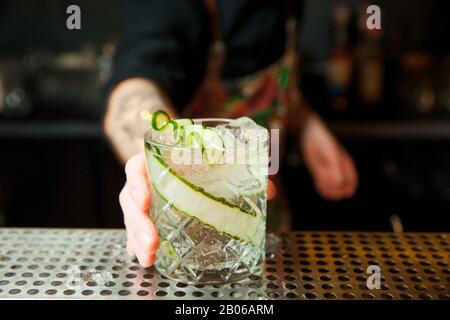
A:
(119, 253)
(244, 122)
(246, 131)
(99, 277)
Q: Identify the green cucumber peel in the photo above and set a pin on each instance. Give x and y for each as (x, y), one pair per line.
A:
(159, 119)
(200, 189)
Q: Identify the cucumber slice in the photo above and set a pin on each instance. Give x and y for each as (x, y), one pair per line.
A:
(159, 120)
(172, 128)
(183, 122)
(216, 213)
(194, 140)
(213, 146)
(193, 136)
(208, 140)
(179, 126)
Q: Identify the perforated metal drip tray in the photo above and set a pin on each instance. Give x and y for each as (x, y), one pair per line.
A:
(92, 264)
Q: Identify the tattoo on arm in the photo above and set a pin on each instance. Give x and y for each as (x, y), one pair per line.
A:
(125, 117)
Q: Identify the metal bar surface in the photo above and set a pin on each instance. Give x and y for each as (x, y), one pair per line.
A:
(92, 264)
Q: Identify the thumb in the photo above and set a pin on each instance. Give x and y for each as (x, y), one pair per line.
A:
(136, 173)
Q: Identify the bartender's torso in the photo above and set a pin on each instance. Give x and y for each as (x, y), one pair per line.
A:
(253, 32)
(168, 41)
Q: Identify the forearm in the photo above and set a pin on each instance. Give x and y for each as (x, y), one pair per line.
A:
(124, 122)
(303, 113)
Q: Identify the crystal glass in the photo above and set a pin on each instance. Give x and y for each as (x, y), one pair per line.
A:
(210, 216)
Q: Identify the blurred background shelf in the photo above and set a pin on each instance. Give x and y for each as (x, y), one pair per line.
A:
(51, 129)
(425, 129)
(84, 129)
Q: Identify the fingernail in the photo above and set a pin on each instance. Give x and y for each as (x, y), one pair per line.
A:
(144, 241)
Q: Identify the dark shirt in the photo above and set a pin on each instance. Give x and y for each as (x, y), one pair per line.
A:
(167, 41)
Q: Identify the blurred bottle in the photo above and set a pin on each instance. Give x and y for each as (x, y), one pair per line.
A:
(105, 63)
(369, 63)
(340, 65)
(2, 93)
(416, 84)
(14, 101)
(443, 87)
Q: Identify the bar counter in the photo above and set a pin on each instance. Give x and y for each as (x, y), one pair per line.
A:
(92, 264)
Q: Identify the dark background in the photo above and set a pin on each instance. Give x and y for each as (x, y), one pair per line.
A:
(56, 169)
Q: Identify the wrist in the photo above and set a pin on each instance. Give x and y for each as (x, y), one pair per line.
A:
(308, 118)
